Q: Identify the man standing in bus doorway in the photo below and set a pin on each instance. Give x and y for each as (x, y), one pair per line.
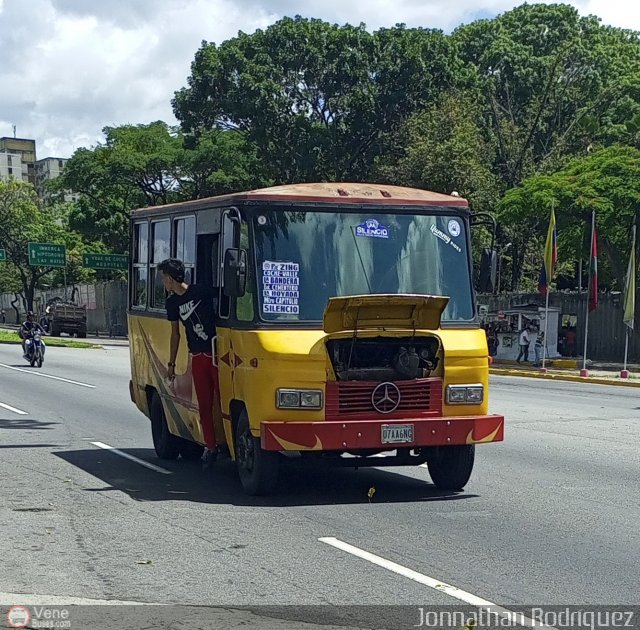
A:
(195, 306)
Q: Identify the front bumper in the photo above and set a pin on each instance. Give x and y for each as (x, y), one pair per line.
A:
(367, 434)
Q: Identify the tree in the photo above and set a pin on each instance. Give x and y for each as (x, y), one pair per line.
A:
(444, 150)
(22, 221)
(147, 165)
(318, 100)
(552, 85)
(605, 181)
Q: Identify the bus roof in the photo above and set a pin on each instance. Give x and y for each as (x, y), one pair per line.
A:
(378, 194)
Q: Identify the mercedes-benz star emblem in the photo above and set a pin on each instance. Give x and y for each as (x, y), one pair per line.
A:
(385, 398)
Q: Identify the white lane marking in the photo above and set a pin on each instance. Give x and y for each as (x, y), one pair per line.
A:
(10, 599)
(442, 587)
(10, 408)
(55, 378)
(116, 451)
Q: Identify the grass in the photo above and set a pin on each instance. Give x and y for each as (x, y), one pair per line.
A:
(12, 338)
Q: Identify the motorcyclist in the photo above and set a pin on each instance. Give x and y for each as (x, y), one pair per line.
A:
(27, 329)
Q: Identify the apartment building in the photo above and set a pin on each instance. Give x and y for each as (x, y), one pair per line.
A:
(47, 170)
(24, 148)
(12, 167)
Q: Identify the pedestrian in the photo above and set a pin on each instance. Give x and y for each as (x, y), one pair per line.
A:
(196, 307)
(3, 316)
(524, 342)
(537, 348)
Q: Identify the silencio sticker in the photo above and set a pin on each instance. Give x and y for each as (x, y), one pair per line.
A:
(280, 288)
(454, 228)
(372, 228)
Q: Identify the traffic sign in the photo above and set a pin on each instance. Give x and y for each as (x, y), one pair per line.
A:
(105, 261)
(47, 255)
(3, 255)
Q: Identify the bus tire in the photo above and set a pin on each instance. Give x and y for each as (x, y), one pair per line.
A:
(451, 468)
(164, 442)
(257, 468)
(190, 450)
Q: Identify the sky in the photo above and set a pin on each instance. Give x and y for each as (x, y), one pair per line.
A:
(71, 67)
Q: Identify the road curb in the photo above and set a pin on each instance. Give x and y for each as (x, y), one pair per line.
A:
(88, 346)
(563, 377)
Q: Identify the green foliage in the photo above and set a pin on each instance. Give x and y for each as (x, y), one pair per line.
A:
(605, 182)
(318, 100)
(147, 165)
(22, 221)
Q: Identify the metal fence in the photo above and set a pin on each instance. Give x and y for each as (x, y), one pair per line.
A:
(606, 329)
(106, 305)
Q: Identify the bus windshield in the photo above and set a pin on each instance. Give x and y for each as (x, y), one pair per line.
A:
(305, 257)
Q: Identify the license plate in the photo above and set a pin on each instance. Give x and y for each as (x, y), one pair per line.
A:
(397, 433)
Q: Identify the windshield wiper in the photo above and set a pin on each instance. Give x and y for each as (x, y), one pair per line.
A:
(364, 271)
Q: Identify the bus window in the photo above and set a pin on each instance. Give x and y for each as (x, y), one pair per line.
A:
(184, 245)
(160, 238)
(140, 262)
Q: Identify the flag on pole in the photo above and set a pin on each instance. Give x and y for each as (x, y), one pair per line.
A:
(593, 285)
(630, 286)
(550, 256)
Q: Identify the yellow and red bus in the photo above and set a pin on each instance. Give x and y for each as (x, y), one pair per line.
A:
(347, 329)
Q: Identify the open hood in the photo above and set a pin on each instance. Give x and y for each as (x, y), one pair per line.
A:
(368, 312)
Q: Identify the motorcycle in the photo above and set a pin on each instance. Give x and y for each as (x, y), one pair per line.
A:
(34, 350)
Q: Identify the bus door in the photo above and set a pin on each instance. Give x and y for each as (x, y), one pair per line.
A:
(229, 239)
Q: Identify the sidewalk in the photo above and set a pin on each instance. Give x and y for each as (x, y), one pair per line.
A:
(569, 370)
(91, 339)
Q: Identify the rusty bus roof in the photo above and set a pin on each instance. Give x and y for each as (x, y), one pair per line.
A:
(378, 194)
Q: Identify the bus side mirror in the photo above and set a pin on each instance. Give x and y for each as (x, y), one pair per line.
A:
(488, 271)
(235, 273)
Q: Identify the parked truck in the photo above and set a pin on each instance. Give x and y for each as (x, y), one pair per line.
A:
(65, 317)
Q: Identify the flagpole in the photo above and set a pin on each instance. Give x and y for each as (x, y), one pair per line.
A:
(546, 329)
(546, 313)
(584, 372)
(629, 287)
(626, 349)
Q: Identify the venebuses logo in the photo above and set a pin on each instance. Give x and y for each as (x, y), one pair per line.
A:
(18, 617)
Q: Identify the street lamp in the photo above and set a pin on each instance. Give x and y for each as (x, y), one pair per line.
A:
(502, 251)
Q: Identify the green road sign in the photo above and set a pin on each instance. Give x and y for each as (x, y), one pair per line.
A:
(47, 255)
(105, 261)
(3, 255)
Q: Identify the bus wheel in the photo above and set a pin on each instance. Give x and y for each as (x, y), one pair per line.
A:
(257, 468)
(451, 468)
(165, 444)
(190, 450)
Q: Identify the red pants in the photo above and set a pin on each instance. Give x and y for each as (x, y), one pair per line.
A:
(205, 380)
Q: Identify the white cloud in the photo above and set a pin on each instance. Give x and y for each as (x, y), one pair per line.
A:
(70, 67)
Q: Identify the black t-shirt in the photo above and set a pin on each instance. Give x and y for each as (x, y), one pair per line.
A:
(196, 309)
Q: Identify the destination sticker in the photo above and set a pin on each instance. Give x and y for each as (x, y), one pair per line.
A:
(454, 228)
(280, 288)
(372, 228)
(444, 237)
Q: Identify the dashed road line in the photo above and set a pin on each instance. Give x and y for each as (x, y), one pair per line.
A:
(10, 408)
(55, 378)
(132, 458)
(437, 585)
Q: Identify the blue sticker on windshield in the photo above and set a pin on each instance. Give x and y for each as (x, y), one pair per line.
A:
(372, 229)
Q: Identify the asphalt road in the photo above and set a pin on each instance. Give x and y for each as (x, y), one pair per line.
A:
(550, 516)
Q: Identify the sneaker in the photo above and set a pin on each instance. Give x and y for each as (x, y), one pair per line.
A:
(209, 458)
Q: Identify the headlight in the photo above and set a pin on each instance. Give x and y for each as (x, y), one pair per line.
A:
(299, 399)
(465, 394)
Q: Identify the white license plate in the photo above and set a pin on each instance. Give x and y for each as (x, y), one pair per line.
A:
(397, 433)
